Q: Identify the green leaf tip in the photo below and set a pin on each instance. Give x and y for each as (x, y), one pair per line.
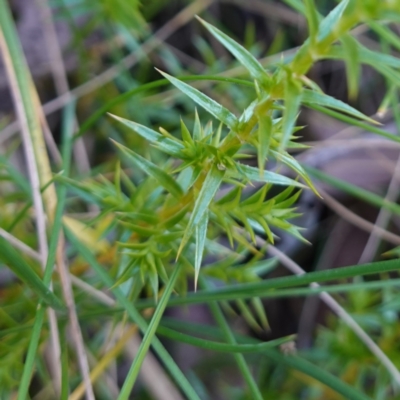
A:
(214, 108)
(153, 170)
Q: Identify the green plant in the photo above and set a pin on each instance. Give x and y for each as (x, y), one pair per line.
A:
(158, 222)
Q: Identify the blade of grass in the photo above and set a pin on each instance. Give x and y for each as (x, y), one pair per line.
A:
(221, 347)
(132, 312)
(54, 240)
(230, 338)
(149, 335)
(257, 289)
(23, 92)
(275, 356)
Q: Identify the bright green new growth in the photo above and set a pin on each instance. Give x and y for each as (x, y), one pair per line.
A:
(209, 160)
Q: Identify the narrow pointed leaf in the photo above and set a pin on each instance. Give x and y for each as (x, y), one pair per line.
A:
(207, 192)
(264, 140)
(23, 270)
(295, 166)
(310, 98)
(186, 136)
(157, 173)
(253, 174)
(292, 104)
(312, 18)
(386, 34)
(197, 130)
(165, 144)
(210, 105)
(256, 70)
(201, 232)
(327, 25)
(353, 65)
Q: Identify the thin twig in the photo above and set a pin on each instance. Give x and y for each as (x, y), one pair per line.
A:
(341, 313)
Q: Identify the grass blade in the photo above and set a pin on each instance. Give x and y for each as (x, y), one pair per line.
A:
(230, 338)
(134, 315)
(148, 337)
(221, 347)
(258, 289)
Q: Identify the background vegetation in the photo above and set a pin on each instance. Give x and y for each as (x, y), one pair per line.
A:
(222, 226)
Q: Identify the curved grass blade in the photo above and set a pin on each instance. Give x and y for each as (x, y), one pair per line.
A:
(157, 173)
(259, 289)
(210, 105)
(256, 70)
(277, 357)
(221, 347)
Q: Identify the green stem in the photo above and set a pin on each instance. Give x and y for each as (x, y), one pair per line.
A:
(230, 338)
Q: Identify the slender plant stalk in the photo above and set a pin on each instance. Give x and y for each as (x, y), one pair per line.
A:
(30, 129)
(230, 338)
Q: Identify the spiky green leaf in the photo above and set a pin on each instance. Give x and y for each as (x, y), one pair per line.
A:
(207, 192)
(157, 173)
(256, 70)
(165, 144)
(210, 105)
(201, 232)
(327, 26)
